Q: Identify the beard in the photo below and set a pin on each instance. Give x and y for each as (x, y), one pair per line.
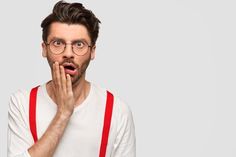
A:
(81, 72)
(81, 69)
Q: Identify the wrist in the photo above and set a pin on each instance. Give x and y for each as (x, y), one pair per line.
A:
(63, 115)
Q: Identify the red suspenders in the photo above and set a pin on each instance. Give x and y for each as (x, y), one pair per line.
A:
(106, 123)
(32, 113)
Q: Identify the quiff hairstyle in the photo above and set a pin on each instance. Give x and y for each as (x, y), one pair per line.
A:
(72, 13)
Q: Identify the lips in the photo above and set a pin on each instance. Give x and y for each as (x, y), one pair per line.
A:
(70, 68)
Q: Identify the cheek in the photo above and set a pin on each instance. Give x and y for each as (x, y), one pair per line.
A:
(52, 59)
(84, 64)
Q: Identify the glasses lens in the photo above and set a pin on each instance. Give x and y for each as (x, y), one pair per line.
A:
(80, 47)
(57, 46)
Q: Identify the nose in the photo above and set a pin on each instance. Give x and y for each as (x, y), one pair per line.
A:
(68, 52)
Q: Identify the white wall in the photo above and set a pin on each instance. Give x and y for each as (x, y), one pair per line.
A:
(172, 61)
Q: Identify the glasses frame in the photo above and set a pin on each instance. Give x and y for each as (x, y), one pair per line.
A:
(48, 44)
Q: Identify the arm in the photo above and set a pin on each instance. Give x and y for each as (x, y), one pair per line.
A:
(125, 142)
(20, 138)
(47, 144)
(18, 135)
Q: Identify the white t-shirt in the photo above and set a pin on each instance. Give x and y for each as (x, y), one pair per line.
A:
(82, 136)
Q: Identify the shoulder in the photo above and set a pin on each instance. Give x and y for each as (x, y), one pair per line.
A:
(19, 99)
(121, 110)
(119, 105)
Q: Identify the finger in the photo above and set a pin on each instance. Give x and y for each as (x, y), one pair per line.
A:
(54, 74)
(69, 84)
(57, 74)
(63, 78)
(52, 70)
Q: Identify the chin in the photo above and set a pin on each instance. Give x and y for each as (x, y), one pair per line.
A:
(75, 79)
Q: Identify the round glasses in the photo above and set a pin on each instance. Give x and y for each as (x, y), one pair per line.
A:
(79, 47)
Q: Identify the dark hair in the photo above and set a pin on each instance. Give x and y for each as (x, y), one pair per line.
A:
(72, 13)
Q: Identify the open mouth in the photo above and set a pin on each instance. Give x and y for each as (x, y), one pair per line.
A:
(70, 68)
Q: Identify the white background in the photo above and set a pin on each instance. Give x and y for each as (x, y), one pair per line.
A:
(172, 62)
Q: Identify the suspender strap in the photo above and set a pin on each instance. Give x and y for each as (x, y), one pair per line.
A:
(32, 113)
(106, 125)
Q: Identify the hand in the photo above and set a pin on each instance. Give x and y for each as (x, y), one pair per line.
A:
(63, 90)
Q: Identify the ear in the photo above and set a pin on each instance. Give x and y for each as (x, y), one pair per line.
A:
(44, 50)
(93, 52)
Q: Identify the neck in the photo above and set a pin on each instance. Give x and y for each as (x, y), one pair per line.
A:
(80, 89)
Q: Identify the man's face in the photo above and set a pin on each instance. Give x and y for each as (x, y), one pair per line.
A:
(69, 34)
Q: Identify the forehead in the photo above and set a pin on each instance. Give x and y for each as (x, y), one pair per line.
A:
(68, 32)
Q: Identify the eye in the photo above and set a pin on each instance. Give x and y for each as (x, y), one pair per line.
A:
(79, 44)
(57, 43)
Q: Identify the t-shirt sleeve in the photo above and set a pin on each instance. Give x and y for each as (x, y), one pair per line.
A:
(19, 137)
(125, 142)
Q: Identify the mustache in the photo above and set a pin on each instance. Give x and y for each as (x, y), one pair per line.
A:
(68, 61)
(65, 61)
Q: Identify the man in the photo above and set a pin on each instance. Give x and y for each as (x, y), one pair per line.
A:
(69, 116)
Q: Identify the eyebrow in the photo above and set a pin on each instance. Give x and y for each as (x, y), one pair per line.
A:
(79, 39)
